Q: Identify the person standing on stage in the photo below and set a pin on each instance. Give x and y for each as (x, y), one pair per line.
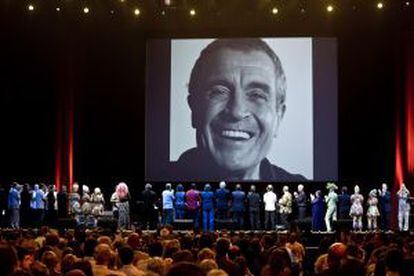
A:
(179, 203)
(344, 203)
(98, 202)
(270, 199)
(331, 200)
(193, 203)
(38, 205)
(207, 200)
(168, 205)
(385, 207)
(150, 199)
(254, 201)
(285, 203)
(404, 207)
(62, 202)
(75, 209)
(318, 211)
(237, 206)
(357, 210)
(25, 210)
(51, 205)
(14, 205)
(122, 193)
(372, 212)
(222, 201)
(300, 199)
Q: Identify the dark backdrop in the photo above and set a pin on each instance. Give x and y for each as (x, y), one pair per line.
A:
(105, 55)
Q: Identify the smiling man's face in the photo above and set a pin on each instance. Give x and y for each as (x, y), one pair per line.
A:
(234, 110)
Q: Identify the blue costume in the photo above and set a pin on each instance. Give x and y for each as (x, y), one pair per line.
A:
(385, 209)
(222, 201)
(237, 207)
(344, 205)
(207, 199)
(318, 214)
(180, 202)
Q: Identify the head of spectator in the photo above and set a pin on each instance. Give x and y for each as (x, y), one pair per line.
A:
(50, 259)
(103, 254)
(217, 272)
(126, 255)
(39, 269)
(155, 249)
(279, 263)
(26, 258)
(9, 260)
(156, 265)
(67, 263)
(85, 266)
(183, 256)
(205, 253)
(222, 247)
(185, 268)
(336, 253)
(393, 261)
(207, 265)
(75, 272)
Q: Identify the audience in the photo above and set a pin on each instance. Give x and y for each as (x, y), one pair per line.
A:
(99, 252)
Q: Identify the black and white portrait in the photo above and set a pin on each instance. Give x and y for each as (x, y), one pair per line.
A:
(240, 109)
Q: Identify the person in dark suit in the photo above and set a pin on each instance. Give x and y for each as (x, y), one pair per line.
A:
(385, 207)
(150, 199)
(237, 206)
(222, 201)
(344, 203)
(237, 92)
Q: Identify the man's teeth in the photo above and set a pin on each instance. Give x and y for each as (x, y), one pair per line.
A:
(235, 134)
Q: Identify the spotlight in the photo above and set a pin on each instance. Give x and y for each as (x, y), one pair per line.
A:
(380, 5)
(407, 3)
(58, 9)
(85, 10)
(162, 12)
(122, 1)
(329, 8)
(302, 10)
(275, 11)
(30, 7)
(137, 12)
(192, 12)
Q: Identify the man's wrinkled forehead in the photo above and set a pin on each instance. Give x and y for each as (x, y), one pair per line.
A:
(238, 66)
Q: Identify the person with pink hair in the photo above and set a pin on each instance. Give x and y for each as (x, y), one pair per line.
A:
(122, 204)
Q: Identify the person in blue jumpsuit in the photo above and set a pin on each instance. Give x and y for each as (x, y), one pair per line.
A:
(180, 202)
(237, 206)
(318, 211)
(207, 203)
(222, 201)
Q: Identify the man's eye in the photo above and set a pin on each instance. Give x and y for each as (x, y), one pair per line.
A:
(258, 94)
(218, 93)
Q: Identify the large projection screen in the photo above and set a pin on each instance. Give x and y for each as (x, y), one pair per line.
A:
(243, 132)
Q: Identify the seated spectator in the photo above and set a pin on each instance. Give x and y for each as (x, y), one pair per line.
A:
(208, 264)
(279, 263)
(67, 263)
(103, 258)
(9, 260)
(185, 268)
(205, 253)
(217, 272)
(50, 259)
(126, 257)
(183, 256)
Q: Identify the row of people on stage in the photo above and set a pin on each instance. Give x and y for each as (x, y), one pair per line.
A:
(43, 204)
(208, 206)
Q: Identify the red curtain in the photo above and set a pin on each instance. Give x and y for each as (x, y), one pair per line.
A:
(404, 138)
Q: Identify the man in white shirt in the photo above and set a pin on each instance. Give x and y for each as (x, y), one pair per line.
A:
(270, 199)
(168, 204)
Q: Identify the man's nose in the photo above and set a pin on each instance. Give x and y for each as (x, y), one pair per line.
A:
(237, 107)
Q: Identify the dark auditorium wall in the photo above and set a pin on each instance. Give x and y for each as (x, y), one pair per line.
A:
(107, 56)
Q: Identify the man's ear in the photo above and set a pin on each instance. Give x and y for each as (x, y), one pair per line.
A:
(192, 103)
(280, 112)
